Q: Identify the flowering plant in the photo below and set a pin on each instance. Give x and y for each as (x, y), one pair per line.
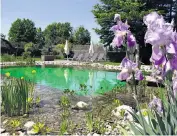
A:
(162, 119)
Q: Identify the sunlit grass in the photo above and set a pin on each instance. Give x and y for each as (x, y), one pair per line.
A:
(110, 63)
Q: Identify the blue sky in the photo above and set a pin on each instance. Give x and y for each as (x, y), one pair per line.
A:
(44, 12)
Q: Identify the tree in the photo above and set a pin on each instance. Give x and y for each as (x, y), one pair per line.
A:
(131, 10)
(40, 40)
(64, 31)
(81, 36)
(22, 30)
(57, 33)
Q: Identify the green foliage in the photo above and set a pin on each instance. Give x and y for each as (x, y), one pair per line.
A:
(158, 123)
(81, 36)
(94, 124)
(131, 10)
(64, 102)
(22, 30)
(14, 123)
(89, 121)
(69, 92)
(15, 96)
(12, 58)
(30, 61)
(56, 33)
(59, 57)
(63, 127)
(7, 58)
(29, 47)
(26, 54)
(83, 89)
(59, 48)
(40, 39)
(41, 128)
(99, 126)
(66, 123)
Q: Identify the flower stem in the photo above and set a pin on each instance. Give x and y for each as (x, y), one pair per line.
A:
(134, 81)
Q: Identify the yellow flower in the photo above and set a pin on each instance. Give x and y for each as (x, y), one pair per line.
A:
(22, 78)
(7, 74)
(145, 113)
(33, 72)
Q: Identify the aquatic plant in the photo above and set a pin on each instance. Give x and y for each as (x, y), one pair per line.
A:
(7, 74)
(89, 121)
(15, 96)
(83, 88)
(33, 71)
(41, 128)
(14, 123)
(66, 123)
(69, 92)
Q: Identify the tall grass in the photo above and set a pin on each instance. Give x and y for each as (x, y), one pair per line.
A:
(15, 93)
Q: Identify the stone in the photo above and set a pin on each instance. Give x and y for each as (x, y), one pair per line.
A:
(31, 132)
(81, 105)
(95, 134)
(2, 130)
(127, 116)
(21, 133)
(29, 125)
(5, 134)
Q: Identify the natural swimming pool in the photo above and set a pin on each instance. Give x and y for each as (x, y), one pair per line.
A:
(68, 78)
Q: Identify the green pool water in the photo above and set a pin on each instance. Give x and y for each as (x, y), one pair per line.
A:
(68, 78)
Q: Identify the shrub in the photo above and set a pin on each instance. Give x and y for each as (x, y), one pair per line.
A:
(7, 58)
(26, 55)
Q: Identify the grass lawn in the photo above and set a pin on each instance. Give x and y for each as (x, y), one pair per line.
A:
(10, 58)
(110, 63)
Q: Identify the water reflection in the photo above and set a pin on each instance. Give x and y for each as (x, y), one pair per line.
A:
(67, 78)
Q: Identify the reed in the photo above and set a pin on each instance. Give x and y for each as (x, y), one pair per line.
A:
(15, 93)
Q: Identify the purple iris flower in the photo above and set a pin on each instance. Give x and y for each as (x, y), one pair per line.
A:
(150, 18)
(163, 40)
(159, 32)
(131, 41)
(157, 56)
(156, 104)
(128, 68)
(120, 27)
(120, 30)
(117, 41)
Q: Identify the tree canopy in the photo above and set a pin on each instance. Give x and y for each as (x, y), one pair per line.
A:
(22, 30)
(40, 39)
(131, 10)
(81, 36)
(56, 33)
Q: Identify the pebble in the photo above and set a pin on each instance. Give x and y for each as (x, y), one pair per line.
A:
(29, 124)
(2, 130)
(80, 105)
(21, 133)
(95, 134)
(5, 134)
(31, 132)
